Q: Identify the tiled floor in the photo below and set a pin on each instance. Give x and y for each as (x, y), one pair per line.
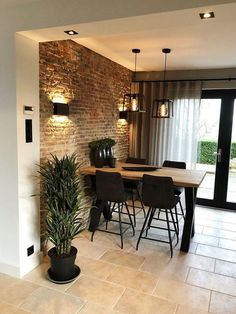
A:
(144, 281)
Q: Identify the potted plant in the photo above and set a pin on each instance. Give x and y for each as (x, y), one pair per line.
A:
(101, 152)
(65, 201)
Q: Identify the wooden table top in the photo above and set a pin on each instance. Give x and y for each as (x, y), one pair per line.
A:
(181, 177)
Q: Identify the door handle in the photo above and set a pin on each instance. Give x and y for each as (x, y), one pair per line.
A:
(218, 154)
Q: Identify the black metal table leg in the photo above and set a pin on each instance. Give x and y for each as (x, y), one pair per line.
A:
(188, 231)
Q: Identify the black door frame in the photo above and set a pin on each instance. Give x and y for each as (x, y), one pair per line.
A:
(227, 97)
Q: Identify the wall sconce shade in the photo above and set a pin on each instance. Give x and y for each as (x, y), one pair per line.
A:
(162, 108)
(123, 115)
(60, 109)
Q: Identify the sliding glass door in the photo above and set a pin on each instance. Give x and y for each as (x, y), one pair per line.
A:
(217, 148)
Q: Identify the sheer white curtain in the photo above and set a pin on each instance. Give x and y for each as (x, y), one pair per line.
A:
(174, 138)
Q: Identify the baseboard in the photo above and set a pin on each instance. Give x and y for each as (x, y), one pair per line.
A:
(9, 270)
(18, 272)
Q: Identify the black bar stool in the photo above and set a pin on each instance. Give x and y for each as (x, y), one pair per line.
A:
(134, 188)
(111, 193)
(177, 190)
(158, 192)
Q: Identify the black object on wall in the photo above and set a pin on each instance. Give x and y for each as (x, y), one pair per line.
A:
(60, 109)
(28, 131)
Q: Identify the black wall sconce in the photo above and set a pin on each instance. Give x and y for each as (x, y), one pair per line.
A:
(60, 109)
(123, 115)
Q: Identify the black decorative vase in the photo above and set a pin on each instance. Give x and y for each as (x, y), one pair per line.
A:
(63, 268)
(109, 155)
(99, 157)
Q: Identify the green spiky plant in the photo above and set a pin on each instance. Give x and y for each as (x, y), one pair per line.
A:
(65, 200)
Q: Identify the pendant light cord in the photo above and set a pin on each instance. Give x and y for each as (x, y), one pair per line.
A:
(135, 61)
(164, 78)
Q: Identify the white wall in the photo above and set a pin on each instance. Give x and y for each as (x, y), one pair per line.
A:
(18, 211)
(9, 215)
(27, 73)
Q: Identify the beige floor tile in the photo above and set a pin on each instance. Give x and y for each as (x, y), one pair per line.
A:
(222, 304)
(192, 247)
(183, 309)
(215, 252)
(214, 214)
(96, 291)
(227, 244)
(10, 309)
(88, 249)
(216, 224)
(94, 268)
(225, 268)
(198, 228)
(172, 269)
(196, 261)
(133, 302)
(219, 233)
(110, 241)
(6, 281)
(16, 293)
(134, 279)
(93, 308)
(205, 239)
(47, 301)
(183, 293)
(212, 281)
(39, 276)
(120, 257)
(150, 249)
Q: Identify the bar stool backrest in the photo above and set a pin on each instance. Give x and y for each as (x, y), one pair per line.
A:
(133, 160)
(174, 164)
(158, 192)
(109, 186)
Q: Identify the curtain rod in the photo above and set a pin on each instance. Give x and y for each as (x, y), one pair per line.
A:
(195, 80)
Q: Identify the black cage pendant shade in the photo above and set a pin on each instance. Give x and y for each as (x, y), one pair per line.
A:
(133, 101)
(163, 107)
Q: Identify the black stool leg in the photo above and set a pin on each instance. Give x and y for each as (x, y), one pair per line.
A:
(177, 221)
(127, 208)
(176, 230)
(143, 227)
(181, 208)
(133, 210)
(168, 226)
(141, 202)
(120, 223)
(150, 220)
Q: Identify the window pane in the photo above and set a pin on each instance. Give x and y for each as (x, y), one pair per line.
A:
(207, 145)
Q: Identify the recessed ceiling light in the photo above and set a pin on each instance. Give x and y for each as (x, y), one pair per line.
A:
(207, 15)
(71, 32)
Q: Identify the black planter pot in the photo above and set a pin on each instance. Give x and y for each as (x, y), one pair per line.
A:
(108, 156)
(63, 268)
(99, 157)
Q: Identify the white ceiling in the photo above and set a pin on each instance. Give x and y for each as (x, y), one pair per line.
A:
(195, 43)
(10, 3)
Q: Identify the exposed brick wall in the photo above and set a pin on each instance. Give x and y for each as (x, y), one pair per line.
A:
(93, 86)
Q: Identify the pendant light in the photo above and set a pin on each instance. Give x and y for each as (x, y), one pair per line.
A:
(163, 108)
(133, 101)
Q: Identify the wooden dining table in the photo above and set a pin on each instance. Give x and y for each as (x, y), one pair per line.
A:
(189, 179)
